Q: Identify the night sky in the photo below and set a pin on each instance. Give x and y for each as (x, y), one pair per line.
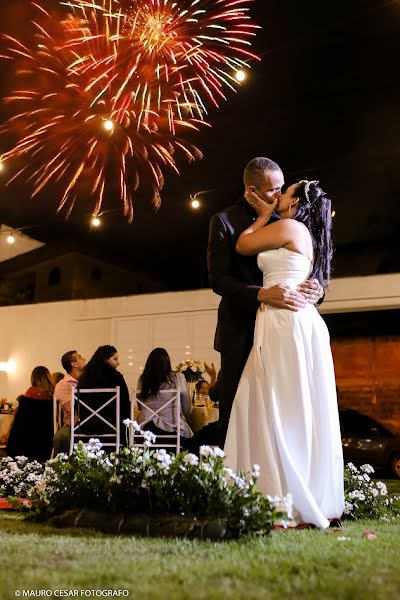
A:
(323, 103)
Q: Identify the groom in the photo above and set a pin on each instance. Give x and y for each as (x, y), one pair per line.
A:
(238, 280)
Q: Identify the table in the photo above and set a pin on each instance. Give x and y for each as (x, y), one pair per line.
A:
(201, 416)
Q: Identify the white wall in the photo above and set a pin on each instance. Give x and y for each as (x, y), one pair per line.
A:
(182, 322)
(38, 334)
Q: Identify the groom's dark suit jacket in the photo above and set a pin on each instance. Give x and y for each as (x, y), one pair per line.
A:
(234, 277)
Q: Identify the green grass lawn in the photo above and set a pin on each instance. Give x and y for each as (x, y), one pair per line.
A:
(292, 564)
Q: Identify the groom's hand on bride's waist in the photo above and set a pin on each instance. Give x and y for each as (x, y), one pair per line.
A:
(312, 290)
(282, 296)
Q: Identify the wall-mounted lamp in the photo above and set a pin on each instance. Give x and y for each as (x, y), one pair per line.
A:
(7, 366)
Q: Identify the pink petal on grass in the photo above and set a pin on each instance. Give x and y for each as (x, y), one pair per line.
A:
(370, 535)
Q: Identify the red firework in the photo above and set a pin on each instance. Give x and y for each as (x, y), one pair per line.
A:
(108, 91)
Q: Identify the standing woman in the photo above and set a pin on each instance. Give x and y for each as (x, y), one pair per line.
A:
(32, 431)
(101, 372)
(157, 377)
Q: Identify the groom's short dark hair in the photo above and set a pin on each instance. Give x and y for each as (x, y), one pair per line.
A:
(256, 168)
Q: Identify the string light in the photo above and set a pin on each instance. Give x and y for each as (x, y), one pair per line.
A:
(195, 204)
(108, 125)
(240, 75)
(95, 221)
(1, 166)
(10, 239)
(333, 213)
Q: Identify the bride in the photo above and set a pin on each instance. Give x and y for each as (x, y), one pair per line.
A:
(285, 415)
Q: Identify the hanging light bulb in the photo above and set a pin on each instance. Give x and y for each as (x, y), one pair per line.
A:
(10, 239)
(240, 75)
(95, 221)
(195, 204)
(108, 125)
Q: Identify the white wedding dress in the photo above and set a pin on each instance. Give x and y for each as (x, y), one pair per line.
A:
(285, 415)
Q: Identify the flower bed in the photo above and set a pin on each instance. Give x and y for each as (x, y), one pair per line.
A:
(201, 496)
(365, 497)
(146, 491)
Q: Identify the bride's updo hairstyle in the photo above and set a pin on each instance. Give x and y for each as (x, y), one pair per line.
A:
(314, 210)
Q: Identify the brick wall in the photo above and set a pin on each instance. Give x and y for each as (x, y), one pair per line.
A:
(368, 376)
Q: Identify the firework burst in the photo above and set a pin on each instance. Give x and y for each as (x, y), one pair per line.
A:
(109, 92)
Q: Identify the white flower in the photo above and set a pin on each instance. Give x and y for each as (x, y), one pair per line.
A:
(288, 505)
(352, 467)
(205, 451)
(367, 477)
(354, 494)
(204, 466)
(149, 438)
(367, 469)
(256, 471)
(94, 442)
(382, 487)
(240, 482)
(191, 459)
(348, 507)
(218, 453)
(230, 473)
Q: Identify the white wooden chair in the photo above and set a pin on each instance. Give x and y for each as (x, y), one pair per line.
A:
(169, 439)
(110, 439)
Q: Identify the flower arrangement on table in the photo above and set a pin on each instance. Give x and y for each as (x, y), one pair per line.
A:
(366, 498)
(7, 407)
(193, 370)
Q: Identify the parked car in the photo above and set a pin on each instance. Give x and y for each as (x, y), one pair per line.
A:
(365, 441)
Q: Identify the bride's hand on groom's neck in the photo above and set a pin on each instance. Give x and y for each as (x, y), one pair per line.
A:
(263, 209)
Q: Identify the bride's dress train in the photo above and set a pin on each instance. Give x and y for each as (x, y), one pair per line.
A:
(285, 416)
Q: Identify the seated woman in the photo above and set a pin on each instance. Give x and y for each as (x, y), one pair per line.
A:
(31, 434)
(159, 377)
(101, 372)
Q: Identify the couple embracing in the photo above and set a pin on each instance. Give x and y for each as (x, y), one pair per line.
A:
(269, 259)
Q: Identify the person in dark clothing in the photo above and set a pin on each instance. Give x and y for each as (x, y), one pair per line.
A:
(238, 280)
(31, 434)
(101, 372)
